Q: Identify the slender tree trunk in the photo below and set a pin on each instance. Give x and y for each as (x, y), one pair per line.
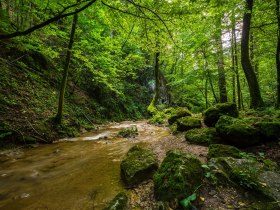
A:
(206, 93)
(233, 68)
(152, 107)
(255, 95)
(220, 62)
(278, 54)
(208, 75)
(157, 79)
(58, 117)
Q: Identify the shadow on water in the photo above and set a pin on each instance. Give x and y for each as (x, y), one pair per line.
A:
(78, 173)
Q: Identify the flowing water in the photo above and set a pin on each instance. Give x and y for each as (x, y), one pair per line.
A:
(73, 174)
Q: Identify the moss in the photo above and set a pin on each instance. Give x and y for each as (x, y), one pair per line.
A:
(178, 113)
(270, 130)
(152, 109)
(252, 175)
(129, 132)
(236, 132)
(173, 128)
(187, 123)
(212, 114)
(159, 118)
(118, 203)
(220, 150)
(178, 176)
(139, 165)
(202, 136)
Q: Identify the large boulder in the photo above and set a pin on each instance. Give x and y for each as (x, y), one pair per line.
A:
(178, 113)
(270, 130)
(118, 203)
(178, 176)
(202, 136)
(220, 150)
(236, 132)
(187, 123)
(212, 114)
(259, 177)
(138, 165)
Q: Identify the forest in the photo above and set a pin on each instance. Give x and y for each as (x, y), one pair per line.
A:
(181, 98)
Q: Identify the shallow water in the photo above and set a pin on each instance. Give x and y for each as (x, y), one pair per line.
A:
(73, 174)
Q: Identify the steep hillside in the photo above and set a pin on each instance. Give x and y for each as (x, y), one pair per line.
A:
(29, 84)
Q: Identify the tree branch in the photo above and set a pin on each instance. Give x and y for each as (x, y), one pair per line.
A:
(45, 23)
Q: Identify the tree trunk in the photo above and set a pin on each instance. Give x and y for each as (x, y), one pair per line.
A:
(278, 54)
(220, 62)
(152, 107)
(233, 68)
(157, 79)
(58, 117)
(255, 95)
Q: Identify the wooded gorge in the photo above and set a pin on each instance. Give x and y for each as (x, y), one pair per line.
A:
(190, 53)
(201, 76)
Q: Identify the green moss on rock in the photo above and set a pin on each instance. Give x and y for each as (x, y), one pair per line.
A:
(178, 176)
(138, 165)
(187, 123)
(236, 132)
(251, 174)
(129, 132)
(202, 136)
(212, 114)
(270, 130)
(178, 113)
(220, 150)
(118, 203)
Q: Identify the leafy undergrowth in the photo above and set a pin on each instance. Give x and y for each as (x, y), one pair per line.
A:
(29, 91)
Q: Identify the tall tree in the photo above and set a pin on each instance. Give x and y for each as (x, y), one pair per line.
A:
(278, 53)
(255, 95)
(58, 117)
(220, 60)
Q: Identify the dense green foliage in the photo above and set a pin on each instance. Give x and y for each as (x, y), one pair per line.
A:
(193, 46)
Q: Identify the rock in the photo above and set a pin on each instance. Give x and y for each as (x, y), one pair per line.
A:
(129, 132)
(178, 176)
(187, 123)
(236, 132)
(270, 130)
(118, 203)
(220, 150)
(138, 165)
(178, 113)
(251, 174)
(202, 136)
(212, 114)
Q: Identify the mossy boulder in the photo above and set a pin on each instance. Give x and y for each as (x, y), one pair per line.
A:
(118, 203)
(178, 176)
(220, 150)
(187, 123)
(202, 136)
(138, 165)
(270, 130)
(236, 132)
(212, 114)
(129, 132)
(178, 113)
(252, 175)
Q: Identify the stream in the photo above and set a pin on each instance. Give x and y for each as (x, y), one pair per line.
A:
(73, 174)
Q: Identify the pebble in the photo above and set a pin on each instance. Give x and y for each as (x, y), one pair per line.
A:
(212, 192)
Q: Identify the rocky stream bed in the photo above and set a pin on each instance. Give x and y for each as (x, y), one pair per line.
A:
(84, 172)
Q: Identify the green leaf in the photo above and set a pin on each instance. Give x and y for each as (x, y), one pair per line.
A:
(187, 201)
